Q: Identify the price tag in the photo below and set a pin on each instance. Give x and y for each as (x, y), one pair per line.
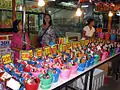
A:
(54, 49)
(74, 44)
(24, 55)
(13, 84)
(5, 76)
(47, 50)
(64, 48)
(78, 44)
(7, 59)
(68, 45)
(62, 40)
(31, 53)
(39, 52)
(82, 42)
(86, 42)
(60, 47)
(67, 40)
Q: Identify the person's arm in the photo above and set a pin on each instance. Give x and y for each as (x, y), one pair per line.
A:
(28, 45)
(93, 32)
(84, 32)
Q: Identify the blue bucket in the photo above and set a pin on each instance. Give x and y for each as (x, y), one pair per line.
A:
(81, 67)
(113, 36)
(92, 61)
(87, 63)
(56, 75)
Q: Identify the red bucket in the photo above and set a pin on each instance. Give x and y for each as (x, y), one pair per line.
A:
(27, 69)
(32, 86)
(107, 36)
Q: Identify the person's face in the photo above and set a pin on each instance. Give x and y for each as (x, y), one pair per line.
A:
(20, 26)
(47, 19)
(92, 23)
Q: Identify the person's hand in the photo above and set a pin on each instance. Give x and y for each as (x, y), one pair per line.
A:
(16, 49)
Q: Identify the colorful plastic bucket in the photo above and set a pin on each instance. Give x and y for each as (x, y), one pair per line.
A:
(36, 74)
(31, 86)
(46, 83)
(56, 75)
(81, 67)
(65, 74)
(92, 61)
(97, 57)
(104, 56)
(74, 69)
(87, 63)
(101, 35)
(113, 37)
(107, 36)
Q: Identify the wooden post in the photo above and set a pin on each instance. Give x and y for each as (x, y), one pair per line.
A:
(109, 23)
(13, 10)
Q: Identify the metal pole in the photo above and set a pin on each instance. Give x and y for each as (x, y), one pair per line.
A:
(91, 79)
(28, 25)
(86, 81)
(13, 10)
(24, 45)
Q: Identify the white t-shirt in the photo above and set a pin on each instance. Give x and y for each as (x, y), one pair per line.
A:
(89, 32)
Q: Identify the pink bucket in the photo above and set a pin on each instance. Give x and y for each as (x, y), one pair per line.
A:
(104, 56)
(65, 74)
(36, 73)
(101, 35)
(74, 69)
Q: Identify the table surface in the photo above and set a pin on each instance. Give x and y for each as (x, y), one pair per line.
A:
(72, 76)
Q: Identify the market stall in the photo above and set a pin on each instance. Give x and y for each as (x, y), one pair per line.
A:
(58, 65)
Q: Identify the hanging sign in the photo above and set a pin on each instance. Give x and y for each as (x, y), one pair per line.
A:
(30, 53)
(39, 52)
(47, 50)
(24, 55)
(5, 43)
(7, 59)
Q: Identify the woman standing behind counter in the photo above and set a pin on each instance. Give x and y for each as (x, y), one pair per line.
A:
(47, 33)
(17, 39)
(88, 31)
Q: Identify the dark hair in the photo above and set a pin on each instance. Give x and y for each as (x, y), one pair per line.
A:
(89, 21)
(15, 25)
(50, 23)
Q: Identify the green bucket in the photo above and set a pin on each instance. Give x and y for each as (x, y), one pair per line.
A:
(97, 57)
(45, 84)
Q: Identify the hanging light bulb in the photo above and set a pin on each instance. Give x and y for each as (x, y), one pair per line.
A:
(78, 12)
(118, 13)
(41, 3)
(20, 8)
(90, 1)
(110, 14)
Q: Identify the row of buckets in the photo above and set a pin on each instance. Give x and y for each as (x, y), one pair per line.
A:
(107, 36)
(45, 84)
